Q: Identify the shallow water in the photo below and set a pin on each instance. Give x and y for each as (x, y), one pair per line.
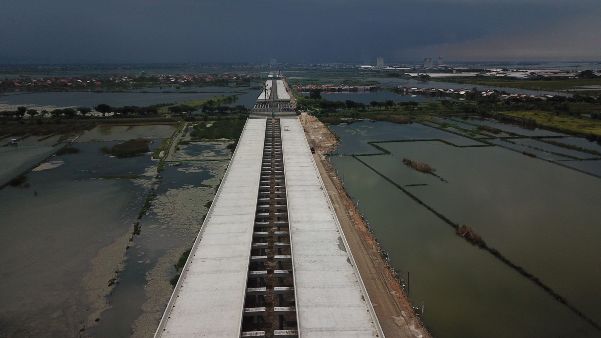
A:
(355, 136)
(547, 145)
(52, 231)
(581, 142)
(167, 230)
(510, 128)
(539, 216)
(138, 97)
(64, 238)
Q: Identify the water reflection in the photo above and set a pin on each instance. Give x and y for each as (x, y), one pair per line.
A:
(540, 216)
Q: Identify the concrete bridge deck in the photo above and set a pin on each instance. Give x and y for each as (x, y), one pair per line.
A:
(275, 100)
(271, 259)
(209, 297)
(331, 298)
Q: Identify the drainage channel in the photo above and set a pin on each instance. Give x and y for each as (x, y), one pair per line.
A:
(269, 305)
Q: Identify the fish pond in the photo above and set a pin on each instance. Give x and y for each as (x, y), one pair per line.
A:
(492, 241)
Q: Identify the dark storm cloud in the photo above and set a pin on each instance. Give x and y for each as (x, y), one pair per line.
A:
(292, 31)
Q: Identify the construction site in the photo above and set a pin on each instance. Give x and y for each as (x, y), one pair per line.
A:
(281, 253)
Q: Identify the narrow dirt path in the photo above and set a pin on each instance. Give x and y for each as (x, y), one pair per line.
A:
(175, 141)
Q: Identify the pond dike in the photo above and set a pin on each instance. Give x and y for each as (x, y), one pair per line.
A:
(479, 242)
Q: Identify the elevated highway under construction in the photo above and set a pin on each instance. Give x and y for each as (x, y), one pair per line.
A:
(271, 259)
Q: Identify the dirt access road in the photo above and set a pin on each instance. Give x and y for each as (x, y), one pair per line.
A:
(390, 302)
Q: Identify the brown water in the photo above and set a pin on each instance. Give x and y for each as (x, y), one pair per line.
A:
(542, 218)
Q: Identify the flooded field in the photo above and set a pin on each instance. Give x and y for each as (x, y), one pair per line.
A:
(145, 97)
(29, 151)
(529, 265)
(88, 245)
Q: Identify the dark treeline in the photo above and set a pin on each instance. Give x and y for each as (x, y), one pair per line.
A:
(81, 112)
(103, 110)
(332, 106)
(472, 102)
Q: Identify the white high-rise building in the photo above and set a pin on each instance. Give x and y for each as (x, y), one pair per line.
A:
(380, 62)
(428, 63)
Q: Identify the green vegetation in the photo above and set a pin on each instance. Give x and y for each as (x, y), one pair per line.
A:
(137, 228)
(66, 150)
(219, 129)
(129, 148)
(165, 143)
(578, 115)
(39, 128)
(489, 129)
(147, 204)
(215, 105)
(18, 181)
(118, 177)
(549, 84)
(336, 112)
(232, 146)
(166, 147)
(219, 104)
(567, 124)
(179, 266)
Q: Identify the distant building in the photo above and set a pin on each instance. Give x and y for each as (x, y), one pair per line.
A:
(380, 62)
(428, 63)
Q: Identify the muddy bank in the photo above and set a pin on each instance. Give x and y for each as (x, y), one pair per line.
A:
(99, 281)
(55, 272)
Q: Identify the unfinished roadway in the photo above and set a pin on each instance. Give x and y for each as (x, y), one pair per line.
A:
(271, 259)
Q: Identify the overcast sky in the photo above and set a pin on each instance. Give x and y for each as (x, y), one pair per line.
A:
(90, 31)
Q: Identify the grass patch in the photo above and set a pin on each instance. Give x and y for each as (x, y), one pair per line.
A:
(192, 105)
(163, 147)
(66, 150)
(232, 146)
(220, 129)
(530, 84)
(489, 129)
(179, 266)
(147, 204)
(137, 228)
(18, 181)
(118, 177)
(129, 148)
(562, 123)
